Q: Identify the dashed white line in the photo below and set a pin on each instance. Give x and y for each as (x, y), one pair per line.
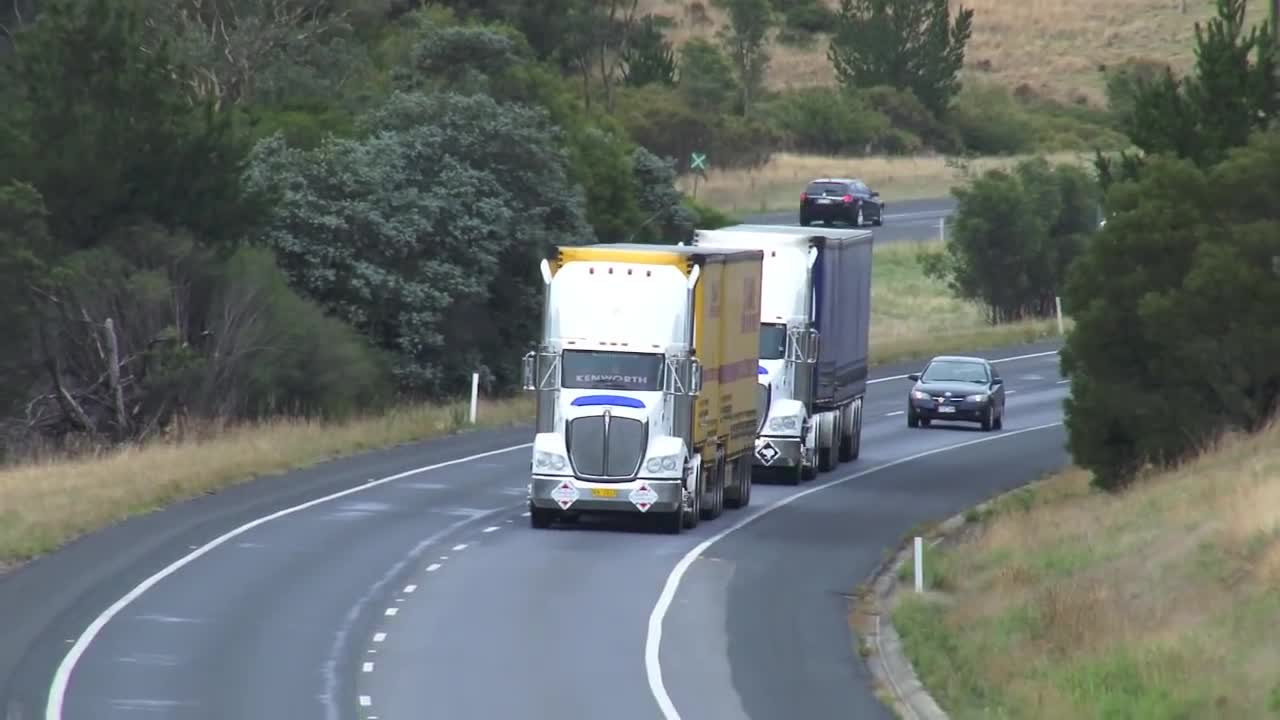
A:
(365, 701)
(1063, 382)
(409, 589)
(379, 637)
(896, 412)
(433, 567)
(491, 528)
(368, 667)
(1011, 392)
(391, 611)
(459, 547)
(525, 514)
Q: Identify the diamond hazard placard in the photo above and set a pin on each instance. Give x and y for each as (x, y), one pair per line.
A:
(565, 494)
(643, 497)
(767, 452)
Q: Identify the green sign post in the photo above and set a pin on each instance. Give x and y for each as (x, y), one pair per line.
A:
(698, 164)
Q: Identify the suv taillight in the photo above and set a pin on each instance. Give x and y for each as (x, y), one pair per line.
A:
(804, 197)
(847, 198)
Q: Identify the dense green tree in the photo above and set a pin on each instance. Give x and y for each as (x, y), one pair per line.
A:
(745, 38)
(1174, 303)
(909, 44)
(649, 57)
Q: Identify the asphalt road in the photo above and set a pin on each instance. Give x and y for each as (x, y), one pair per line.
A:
(905, 220)
(422, 592)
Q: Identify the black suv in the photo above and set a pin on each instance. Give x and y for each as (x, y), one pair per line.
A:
(846, 200)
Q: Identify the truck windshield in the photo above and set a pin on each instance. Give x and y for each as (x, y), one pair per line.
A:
(773, 341)
(602, 370)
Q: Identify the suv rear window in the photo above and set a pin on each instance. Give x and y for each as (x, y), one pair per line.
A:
(826, 188)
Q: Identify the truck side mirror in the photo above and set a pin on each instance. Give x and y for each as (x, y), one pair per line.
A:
(527, 367)
(695, 377)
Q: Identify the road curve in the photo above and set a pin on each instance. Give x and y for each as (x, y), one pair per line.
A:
(422, 592)
(905, 221)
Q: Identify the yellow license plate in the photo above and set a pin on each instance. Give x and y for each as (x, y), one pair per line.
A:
(604, 492)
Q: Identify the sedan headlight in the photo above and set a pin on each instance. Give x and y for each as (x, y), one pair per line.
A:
(665, 463)
(980, 397)
(919, 395)
(549, 461)
(784, 424)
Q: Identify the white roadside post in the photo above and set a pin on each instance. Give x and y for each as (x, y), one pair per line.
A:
(919, 564)
(1057, 300)
(475, 395)
(942, 229)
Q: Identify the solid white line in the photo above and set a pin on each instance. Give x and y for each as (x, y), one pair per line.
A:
(1063, 382)
(999, 360)
(433, 567)
(62, 677)
(653, 640)
(491, 528)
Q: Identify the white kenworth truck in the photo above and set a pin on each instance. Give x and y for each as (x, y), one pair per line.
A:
(815, 319)
(645, 379)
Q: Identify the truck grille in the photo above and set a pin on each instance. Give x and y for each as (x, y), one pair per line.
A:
(615, 453)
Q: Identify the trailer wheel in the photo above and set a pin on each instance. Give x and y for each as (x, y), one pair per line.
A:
(715, 494)
(740, 495)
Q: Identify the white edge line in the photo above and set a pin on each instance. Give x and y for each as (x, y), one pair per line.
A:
(62, 677)
(998, 360)
(653, 639)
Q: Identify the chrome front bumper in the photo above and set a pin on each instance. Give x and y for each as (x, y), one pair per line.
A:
(778, 452)
(668, 494)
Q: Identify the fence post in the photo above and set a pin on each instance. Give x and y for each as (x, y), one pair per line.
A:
(1057, 301)
(919, 564)
(475, 395)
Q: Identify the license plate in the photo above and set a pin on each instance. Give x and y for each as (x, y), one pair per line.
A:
(947, 409)
(825, 201)
(604, 492)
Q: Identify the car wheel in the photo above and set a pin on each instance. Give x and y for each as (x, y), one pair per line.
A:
(858, 221)
(987, 419)
(804, 221)
(925, 422)
(879, 218)
(999, 424)
(913, 420)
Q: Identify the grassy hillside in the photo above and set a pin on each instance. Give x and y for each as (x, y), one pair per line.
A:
(1068, 604)
(1052, 47)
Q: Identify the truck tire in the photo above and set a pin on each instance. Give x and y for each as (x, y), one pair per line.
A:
(828, 456)
(715, 496)
(740, 495)
(541, 518)
(849, 431)
(670, 523)
(693, 517)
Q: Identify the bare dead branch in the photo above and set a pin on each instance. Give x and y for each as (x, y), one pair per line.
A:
(113, 367)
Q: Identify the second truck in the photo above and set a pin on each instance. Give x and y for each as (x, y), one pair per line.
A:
(815, 323)
(645, 382)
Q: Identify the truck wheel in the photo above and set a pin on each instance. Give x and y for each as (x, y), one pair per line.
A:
(692, 518)
(827, 454)
(857, 432)
(740, 495)
(670, 523)
(715, 497)
(792, 475)
(541, 518)
(849, 433)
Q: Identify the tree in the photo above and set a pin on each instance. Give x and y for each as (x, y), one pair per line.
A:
(1015, 236)
(911, 44)
(648, 58)
(1232, 91)
(386, 231)
(746, 39)
(1174, 303)
(706, 77)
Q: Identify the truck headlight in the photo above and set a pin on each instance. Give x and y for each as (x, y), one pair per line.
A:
(784, 424)
(664, 463)
(549, 461)
(980, 397)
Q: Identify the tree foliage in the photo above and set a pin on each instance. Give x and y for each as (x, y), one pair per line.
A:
(649, 57)
(1014, 237)
(910, 44)
(1174, 304)
(745, 39)
(1232, 91)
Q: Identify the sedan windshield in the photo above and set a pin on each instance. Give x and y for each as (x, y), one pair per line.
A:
(600, 370)
(955, 371)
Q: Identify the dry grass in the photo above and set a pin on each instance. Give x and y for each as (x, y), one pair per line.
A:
(915, 317)
(1162, 602)
(1053, 47)
(45, 504)
(777, 185)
